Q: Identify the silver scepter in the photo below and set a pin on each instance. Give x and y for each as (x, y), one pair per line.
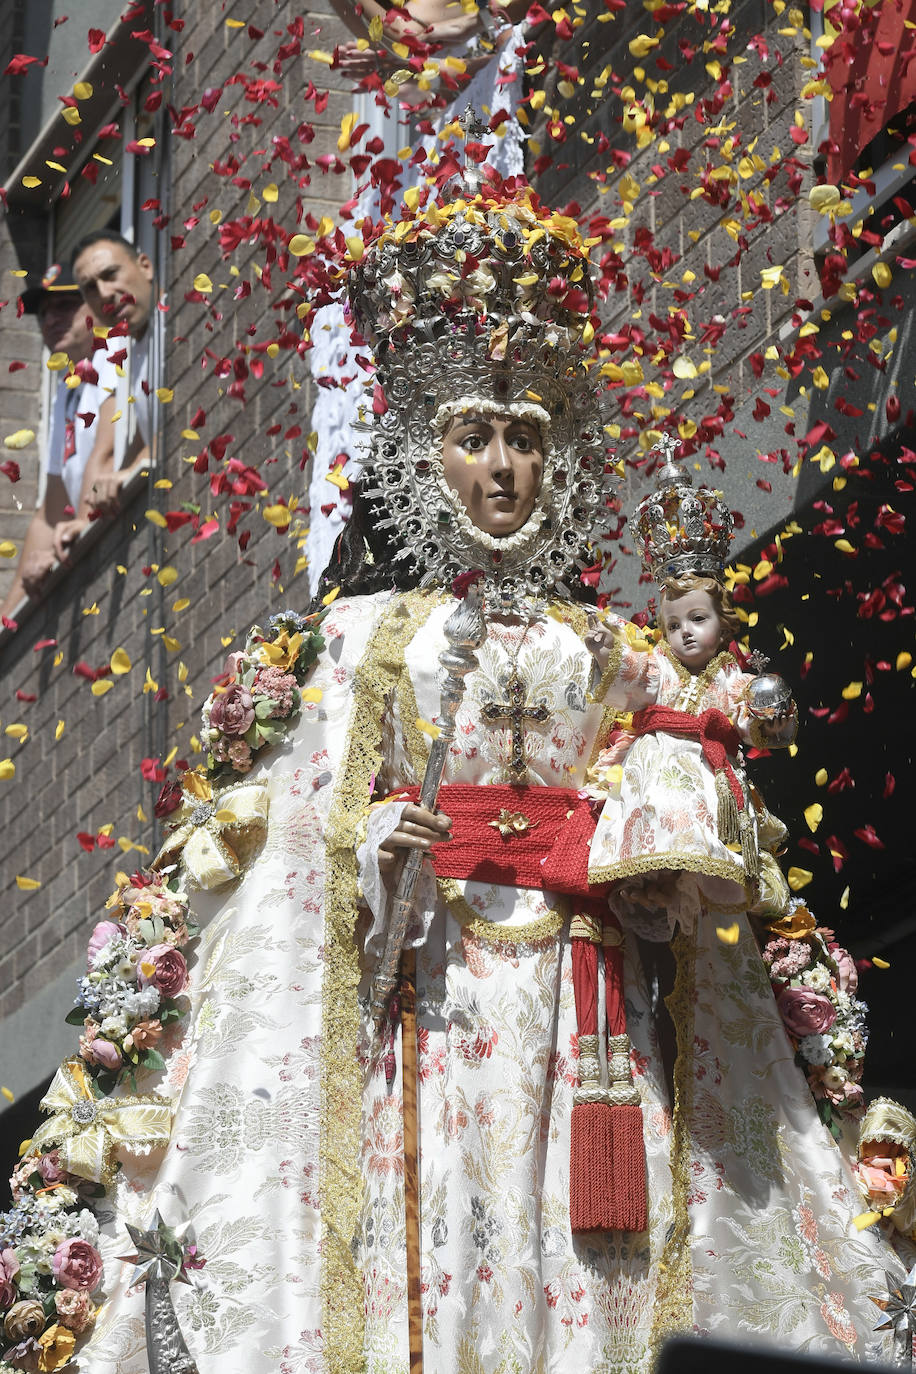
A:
(465, 631)
(160, 1258)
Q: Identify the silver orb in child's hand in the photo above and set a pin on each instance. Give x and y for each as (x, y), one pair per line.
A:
(769, 697)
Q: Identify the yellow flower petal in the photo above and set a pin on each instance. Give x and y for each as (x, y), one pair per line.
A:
(20, 439)
(799, 878)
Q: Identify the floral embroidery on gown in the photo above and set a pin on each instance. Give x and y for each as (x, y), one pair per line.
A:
(295, 1184)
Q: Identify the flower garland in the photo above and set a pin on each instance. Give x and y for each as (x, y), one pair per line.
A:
(50, 1266)
(260, 693)
(815, 981)
(136, 974)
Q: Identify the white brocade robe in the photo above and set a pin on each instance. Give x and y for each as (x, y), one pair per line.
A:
(287, 1151)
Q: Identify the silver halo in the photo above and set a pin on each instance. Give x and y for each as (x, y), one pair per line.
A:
(401, 480)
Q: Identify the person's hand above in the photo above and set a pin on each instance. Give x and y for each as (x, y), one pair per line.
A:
(65, 536)
(34, 570)
(356, 62)
(104, 494)
(418, 829)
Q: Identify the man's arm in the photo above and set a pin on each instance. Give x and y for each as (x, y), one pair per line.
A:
(38, 556)
(100, 485)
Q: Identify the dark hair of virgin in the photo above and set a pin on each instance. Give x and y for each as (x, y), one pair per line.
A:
(364, 560)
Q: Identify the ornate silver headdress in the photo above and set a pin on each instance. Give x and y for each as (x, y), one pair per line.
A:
(482, 301)
(677, 528)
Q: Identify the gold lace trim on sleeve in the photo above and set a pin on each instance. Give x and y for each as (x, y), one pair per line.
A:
(704, 864)
(611, 669)
(342, 1289)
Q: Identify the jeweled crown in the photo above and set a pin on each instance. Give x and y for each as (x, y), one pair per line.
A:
(480, 252)
(481, 298)
(678, 528)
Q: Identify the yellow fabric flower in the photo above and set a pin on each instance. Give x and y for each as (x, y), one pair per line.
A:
(283, 652)
(57, 1345)
(795, 926)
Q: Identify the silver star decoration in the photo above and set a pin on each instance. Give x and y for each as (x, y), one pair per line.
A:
(899, 1306)
(757, 660)
(160, 1251)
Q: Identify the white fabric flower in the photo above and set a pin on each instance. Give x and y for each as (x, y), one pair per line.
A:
(815, 1049)
(817, 978)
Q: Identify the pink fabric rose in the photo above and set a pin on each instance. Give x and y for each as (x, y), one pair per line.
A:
(164, 968)
(232, 711)
(9, 1268)
(74, 1309)
(234, 663)
(50, 1167)
(103, 932)
(847, 973)
(106, 1054)
(77, 1264)
(805, 1012)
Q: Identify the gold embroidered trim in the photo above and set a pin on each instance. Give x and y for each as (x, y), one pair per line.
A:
(691, 863)
(542, 930)
(673, 1310)
(342, 1291)
(574, 614)
(603, 733)
(611, 669)
(704, 679)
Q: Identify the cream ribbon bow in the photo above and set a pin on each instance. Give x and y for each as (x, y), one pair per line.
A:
(206, 822)
(88, 1130)
(888, 1123)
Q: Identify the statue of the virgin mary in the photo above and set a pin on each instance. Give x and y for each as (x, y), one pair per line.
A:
(453, 1175)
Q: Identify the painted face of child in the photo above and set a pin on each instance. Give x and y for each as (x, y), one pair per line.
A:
(693, 629)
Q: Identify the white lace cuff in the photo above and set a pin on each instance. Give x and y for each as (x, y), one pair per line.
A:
(383, 822)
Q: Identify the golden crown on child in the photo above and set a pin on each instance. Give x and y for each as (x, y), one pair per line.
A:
(678, 528)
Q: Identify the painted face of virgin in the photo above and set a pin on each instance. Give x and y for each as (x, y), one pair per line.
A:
(693, 629)
(494, 465)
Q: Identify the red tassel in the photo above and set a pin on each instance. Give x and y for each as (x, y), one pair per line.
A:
(627, 1207)
(607, 1168)
(590, 1153)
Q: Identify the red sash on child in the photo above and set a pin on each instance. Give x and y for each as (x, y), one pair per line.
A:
(718, 739)
(539, 837)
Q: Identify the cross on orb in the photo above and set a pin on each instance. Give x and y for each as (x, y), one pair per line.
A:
(516, 712)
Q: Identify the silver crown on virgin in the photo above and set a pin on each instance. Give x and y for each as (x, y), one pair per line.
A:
(679, 528)
(481, 252)
(481, 299)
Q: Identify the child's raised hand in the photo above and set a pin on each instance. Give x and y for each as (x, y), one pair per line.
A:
(599, 642)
